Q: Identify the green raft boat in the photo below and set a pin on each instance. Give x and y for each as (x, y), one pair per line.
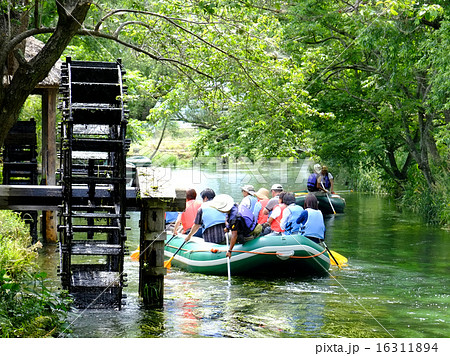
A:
(287, 255)
(337, 202)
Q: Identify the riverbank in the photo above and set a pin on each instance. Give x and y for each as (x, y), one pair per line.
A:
(28, 307)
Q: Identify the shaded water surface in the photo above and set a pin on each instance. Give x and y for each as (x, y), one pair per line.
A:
(396, 285)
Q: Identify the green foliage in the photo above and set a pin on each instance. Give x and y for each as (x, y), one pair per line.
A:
(16, 255)
(432, 205)
(27, 307)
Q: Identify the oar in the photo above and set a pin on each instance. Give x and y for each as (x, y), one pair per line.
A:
(329, 200)
(170, 240)
(135, 255)
(332, 256)
(228, 258)
(167, 264)
(341, 259)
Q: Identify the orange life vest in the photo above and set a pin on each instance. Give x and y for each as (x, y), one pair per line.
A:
(262, 218)
(275, 225)
(189, 214)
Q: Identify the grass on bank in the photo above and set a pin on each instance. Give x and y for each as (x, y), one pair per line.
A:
(28, 308)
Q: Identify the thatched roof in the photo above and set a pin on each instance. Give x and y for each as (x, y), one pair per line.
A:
(33, 46)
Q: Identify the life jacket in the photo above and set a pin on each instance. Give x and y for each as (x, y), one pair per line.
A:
(259, 211)
(291, 226)
(326, 181)
(314, 225)
(275, 225)
(189, 214)
(311, 184)
(249, 218)
(211, 217)
(252, 201)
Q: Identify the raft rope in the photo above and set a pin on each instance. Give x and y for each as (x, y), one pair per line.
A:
(215, 250)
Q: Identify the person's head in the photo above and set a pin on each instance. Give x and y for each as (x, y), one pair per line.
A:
(311, 202)
(248, 190)
(207, 194)
(262, 193)
(324, 170)
(276, 189)
(281, 196)
(222, 202)
(288, 198)
(191, 194)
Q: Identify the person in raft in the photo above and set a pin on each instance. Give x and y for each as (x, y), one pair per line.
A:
(276, 191)
(311, 183)
(240, 220)
(187, 217)
(273, 222)
(290, 215)
(249, 199)
(263, 198)
(326, 180)
(209, 219)
(311, 220)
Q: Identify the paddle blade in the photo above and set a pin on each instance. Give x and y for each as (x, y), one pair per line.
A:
(135, 255)
(168, 263)
(339, 258)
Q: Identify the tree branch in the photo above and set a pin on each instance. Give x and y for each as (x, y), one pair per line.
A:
(138, 49)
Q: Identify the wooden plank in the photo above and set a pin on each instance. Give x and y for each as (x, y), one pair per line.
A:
(95, 279)
(46, 197)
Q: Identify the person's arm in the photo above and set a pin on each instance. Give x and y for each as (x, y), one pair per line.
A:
(177, 224)
(197, 224)
(284, 217)
(232, 242)
(332, 185)
(320, 185)
(194, 229)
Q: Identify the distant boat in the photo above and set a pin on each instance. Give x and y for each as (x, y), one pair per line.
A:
(265, 255)
(338, 203)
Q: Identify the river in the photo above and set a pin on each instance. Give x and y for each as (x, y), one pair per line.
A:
(395, 284)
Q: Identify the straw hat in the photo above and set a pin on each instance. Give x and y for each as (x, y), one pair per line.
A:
(249, 189)
(317, 168)
(262, 193)
(222, 202)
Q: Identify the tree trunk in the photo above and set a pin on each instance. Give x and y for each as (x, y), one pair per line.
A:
(15, 91)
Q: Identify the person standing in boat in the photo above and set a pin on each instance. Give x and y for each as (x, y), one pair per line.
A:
(240, 220)
(274, 220)
(325, 181)
(249, 200)
(276, 191)
(290, 215)
(263, 198)
(209, 219)
(311, 220)
(187, 217)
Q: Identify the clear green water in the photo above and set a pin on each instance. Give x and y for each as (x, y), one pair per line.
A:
(396, 284)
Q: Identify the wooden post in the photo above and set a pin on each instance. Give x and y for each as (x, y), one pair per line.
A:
(156, 197)
(49, 98)
(151, 260)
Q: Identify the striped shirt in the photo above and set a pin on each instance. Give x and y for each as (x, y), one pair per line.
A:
(214, 234)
